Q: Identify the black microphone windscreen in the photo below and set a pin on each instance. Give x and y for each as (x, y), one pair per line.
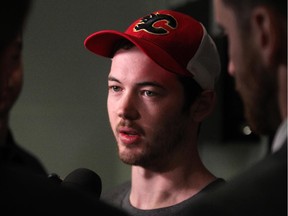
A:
(55, 178)
(84, 180)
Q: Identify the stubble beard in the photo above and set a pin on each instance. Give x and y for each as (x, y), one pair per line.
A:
(156, 154)
(259, 95)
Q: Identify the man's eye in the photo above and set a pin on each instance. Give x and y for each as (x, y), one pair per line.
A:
(149, 93)
(115, 88)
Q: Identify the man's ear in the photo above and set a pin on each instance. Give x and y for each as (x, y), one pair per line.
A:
(203, 105)
(265, 28)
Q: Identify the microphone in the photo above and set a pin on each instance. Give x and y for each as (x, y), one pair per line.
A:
(81, 179)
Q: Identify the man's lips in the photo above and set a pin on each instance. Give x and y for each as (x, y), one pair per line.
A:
(128, 135)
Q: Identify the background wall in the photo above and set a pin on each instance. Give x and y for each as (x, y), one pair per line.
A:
(61, 114)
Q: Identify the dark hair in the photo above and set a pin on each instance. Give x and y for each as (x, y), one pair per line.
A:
(242, 8)
(122, 44)
(191, 88)
(279, 5)
(13, 14)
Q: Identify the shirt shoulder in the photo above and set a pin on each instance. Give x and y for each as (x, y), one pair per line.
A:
(116, 195)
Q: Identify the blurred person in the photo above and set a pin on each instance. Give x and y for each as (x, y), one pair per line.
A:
(257, 46)
(160, 88)
(24, 185)
(11, 80)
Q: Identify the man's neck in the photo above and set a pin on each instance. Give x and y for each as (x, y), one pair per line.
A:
(150, 190)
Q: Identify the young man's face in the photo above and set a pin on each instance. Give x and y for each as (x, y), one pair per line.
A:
(11, 75)
(145, 104)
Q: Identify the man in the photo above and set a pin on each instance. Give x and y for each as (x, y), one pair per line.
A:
(161, 87)
(11, 80)
(24, 187)
(257, 35)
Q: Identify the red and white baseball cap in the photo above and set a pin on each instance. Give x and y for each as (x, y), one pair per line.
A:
(175, 41)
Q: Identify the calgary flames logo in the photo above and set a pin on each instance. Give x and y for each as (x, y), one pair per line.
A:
(164, 23)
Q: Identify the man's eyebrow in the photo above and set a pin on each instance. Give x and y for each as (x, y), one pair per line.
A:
(110, 78)
(144, 83)
(150, 83)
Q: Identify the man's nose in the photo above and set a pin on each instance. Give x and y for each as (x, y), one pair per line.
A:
(128, 107)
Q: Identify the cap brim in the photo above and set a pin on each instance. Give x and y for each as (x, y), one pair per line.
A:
(104, 42)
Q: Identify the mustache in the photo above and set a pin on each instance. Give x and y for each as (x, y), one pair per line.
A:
(131, 125)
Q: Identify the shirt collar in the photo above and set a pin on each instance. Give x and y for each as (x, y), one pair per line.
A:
(280, 136)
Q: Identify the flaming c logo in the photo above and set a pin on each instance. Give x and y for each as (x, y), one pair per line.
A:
(147, 24)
